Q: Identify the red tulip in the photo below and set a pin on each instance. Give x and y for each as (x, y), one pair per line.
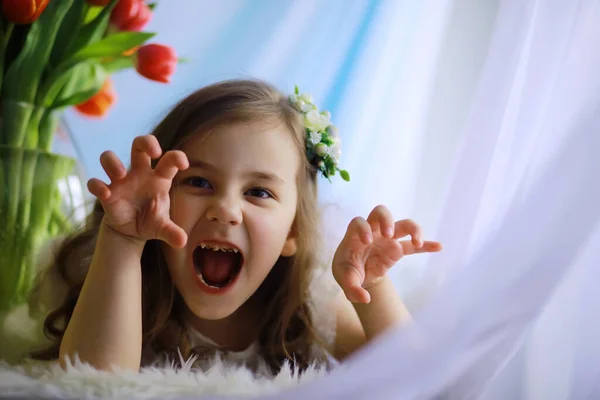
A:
(98, 104)
(23, 11)
(100, 3)
(155, 62)
(130, 15)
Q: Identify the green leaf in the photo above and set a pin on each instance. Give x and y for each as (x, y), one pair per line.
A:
(183, 60)
(296, 90)
(345, 175)
(92, 13)
(24, 75)
(68, 31)
(325, 138)
(151, 6)
(95, 29)
(77, 84)
(113, 45)
(117, 64)
(330, 165)
(15, 44)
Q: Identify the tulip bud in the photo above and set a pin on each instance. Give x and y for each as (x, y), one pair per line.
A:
(23, 12)
(99, 3)
(156, 62)
(98, 104)
(130, 15)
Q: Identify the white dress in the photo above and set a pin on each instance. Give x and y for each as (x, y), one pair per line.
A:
(322, 296)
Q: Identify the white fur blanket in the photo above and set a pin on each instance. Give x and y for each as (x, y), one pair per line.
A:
(49, 380)
(34, 379)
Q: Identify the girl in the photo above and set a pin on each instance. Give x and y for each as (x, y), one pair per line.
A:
(209, 242)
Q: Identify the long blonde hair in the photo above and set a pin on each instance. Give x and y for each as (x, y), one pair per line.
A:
(287, 332)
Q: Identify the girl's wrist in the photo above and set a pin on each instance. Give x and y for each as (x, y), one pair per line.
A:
(375, 285)
(120, 241)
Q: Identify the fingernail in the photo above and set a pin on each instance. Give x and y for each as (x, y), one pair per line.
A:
(368, 238)
(389, 232)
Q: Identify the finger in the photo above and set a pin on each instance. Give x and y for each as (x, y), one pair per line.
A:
(351, 283)
(409, 248)
(407, 227)
(143, 150)
(360, 228)
(171, 163)
(382, 221)
(113, 166)
(99, 189)
(173, 235)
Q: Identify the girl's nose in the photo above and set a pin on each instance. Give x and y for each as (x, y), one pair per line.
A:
(225, 210)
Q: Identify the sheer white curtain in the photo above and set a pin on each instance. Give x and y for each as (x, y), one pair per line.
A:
(508, 309)
(480, 119)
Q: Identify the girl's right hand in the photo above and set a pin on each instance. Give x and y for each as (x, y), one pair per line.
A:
(136, 203)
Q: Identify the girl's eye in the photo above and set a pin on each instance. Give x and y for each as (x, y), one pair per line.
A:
(198, 182)
(259, 192)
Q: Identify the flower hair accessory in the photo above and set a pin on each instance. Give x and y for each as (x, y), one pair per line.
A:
(322, 140)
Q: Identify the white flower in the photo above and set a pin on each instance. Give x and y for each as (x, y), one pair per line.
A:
(326, 113)
(305, 107)
(300, 104)
(307, 98)
(303, 102)
(315, 137)
(335, 150)
(315, 121)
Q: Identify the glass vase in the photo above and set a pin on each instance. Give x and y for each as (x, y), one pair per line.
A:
(41, 195)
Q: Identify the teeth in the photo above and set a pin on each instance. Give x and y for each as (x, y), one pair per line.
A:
(203, 281)
(218, 248)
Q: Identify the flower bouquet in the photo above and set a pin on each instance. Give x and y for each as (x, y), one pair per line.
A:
(55, 54)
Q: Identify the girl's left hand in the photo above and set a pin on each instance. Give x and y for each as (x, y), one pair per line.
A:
(371, 247)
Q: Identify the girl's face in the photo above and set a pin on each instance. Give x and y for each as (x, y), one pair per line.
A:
(237, 204)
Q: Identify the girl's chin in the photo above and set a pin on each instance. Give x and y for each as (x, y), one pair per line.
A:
(212, 313)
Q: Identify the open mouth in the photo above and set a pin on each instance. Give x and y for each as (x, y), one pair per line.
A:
(217, 265)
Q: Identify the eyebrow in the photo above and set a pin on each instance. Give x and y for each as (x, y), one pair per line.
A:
(261, 175)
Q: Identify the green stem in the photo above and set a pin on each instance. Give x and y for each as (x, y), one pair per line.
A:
(47, 128)
(58, 223)
(29, 208)
(7, 34)
(51, 78)
(9, 29)
(15, 121)
(32, 137)
(27, 125)
(26, 186)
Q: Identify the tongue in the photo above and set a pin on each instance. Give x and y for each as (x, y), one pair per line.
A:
(217, 266)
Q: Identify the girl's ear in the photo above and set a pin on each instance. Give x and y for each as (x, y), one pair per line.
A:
(290, 246)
